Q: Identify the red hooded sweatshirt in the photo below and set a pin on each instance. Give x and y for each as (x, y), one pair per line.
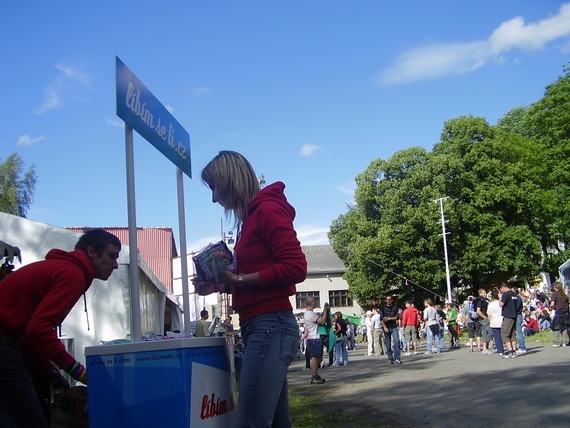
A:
(36, 298)
(268, 244)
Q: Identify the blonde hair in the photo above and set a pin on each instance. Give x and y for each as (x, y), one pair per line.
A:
(235, 183)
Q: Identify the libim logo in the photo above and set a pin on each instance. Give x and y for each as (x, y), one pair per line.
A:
(212, 406)
(213, 400)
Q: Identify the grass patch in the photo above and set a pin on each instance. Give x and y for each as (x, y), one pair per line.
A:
(544, 336)
(309, 412)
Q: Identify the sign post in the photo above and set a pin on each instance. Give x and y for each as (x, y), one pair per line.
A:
(141, 111)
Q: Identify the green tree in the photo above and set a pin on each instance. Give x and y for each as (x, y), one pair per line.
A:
(16, 186)
(514, 121)
(492, 215)
(392, 231)
(549, 123)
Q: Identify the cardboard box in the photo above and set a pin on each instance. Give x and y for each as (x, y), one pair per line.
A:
(70, 408)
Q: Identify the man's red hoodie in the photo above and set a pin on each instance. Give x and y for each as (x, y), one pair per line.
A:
(36, 298)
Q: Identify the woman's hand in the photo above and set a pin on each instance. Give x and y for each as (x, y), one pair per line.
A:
(227, 277)
(204, 288)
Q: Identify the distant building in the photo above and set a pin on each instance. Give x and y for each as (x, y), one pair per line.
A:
(324, 282)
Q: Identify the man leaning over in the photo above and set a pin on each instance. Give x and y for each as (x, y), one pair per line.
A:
(34, 300)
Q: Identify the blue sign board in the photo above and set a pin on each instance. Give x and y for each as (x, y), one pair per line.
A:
(138, 107)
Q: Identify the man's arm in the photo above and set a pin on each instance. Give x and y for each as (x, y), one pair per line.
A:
(324, 316)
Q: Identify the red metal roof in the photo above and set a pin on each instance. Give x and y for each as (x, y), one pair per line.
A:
(155, 244)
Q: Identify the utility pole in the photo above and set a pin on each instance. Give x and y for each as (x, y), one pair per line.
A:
(440, 200)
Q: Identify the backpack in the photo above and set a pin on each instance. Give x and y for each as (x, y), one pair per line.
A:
(473, 315)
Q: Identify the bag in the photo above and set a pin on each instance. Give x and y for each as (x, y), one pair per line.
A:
(473, 315)
(434, 328)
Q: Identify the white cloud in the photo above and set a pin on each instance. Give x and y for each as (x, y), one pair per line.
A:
(309, 150)
(67, 85)
(26, 140)
(199, 91)
(117, 123)
(439, 60)
(348, 189)
(199, 244)
(309, 234)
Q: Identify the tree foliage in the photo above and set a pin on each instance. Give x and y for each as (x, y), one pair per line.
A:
(506, 214)
(16, 186)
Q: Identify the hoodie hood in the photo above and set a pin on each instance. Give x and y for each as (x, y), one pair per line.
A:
(274, 193)
(77, 257)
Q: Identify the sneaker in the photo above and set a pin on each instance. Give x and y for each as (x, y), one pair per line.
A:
(317, 380)
(407, 354)
(336, 365)
(306, 368)
(521, 351)
(507, 354)
(564, 344)
(345, 364)
(513, 355)
(487, 352)
(398, 361)
(556, 346)
(390, 361)
(427, 353)
(415, 353)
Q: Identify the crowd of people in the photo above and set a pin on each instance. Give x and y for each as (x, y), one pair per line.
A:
(496, 322)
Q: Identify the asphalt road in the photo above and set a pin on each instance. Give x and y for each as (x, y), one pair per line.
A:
(453, 389)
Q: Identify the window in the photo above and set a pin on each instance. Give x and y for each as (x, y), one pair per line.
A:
(302, 295)
(339, 298)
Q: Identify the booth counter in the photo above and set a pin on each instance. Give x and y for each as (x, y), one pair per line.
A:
(171, 383)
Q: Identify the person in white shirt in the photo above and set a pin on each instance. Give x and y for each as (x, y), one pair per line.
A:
(377, 332)
(314, 342)
(369, 328)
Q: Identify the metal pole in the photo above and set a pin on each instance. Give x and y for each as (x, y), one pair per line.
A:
(440, 200)
(133, 247)
(183, 250)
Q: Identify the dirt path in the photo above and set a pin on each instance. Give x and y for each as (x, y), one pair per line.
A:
(453, 389)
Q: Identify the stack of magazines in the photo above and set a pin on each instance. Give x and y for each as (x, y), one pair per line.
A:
(212, 260)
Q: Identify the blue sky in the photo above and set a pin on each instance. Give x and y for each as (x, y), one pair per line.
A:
(309, 91)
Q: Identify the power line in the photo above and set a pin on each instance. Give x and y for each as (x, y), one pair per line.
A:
(393, 273)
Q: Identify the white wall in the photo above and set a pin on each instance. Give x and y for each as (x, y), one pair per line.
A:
(322, 284)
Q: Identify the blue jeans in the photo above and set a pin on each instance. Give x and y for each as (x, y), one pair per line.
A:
(271, 341)
(340, 348)
(19, 406)
(519, 332)
(389, 336)
(439, 343)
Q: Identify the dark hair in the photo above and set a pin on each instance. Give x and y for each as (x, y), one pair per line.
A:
(203, 313)
(99, 239)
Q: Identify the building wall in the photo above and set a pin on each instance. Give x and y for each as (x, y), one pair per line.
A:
(324, 284)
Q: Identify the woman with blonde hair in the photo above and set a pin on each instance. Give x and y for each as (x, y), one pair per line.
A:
(559, 302)
(269, 263)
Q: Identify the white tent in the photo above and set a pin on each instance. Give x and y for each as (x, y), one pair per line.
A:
(108, 302)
